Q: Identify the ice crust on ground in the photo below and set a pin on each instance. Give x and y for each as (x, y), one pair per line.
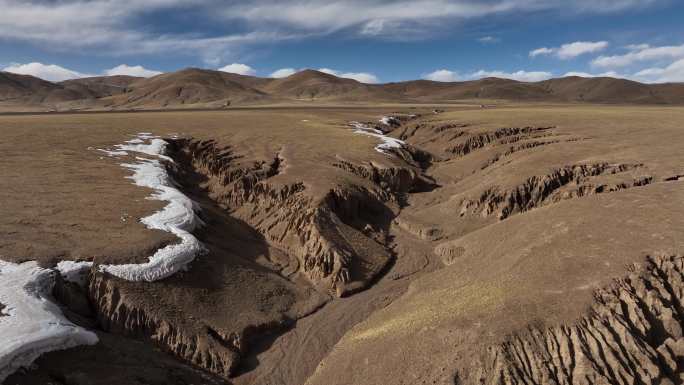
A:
(178, 217)
(154, 147)
(388, 142)
(31, 324)
(113, 153)
(389, 120)
(74, 272)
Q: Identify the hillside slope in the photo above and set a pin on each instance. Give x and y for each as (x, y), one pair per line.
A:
(187, 87)
(25, 89)
(315, 85)
(200, 88)
(100, 86)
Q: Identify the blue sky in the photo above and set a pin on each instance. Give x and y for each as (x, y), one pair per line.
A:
(371, 40)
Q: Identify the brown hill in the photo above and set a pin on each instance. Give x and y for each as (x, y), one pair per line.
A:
(191, 86)
(210, 89)
(246, 80)
(568, 89)
(316, 85)
(100, 86)
(487, 88)
(30, 90)
(602, 90)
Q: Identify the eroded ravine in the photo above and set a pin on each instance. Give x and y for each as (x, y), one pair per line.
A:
(630, 334)
(339, 243)
(321, 264)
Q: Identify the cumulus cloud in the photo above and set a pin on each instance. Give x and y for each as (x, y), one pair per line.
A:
(541, 51)
(523, 76)
(442, 76)
(640, 53)
(282, 73)
(610, 74)
(50, 72)
(238, 68)
(127, 70)
(571, 50)
(55, 73)
(363, 77)
(670, 74)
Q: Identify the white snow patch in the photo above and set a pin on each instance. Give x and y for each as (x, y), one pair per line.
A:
(178, 217)
(137, 144)
(155, 147)
(31, 324)
(388, 142)
(389, 120)
(113, 153)
(74, 272)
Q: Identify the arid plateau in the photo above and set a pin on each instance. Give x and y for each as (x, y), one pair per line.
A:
(201, 227)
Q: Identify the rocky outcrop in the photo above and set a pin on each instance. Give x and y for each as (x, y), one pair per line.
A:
(329, 237)
(563, 183)
(502, 135)
(392, 181)
(631, 335)
(206, 348)
(453, 130)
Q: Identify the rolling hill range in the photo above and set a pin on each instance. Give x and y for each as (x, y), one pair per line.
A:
(28, 90)
(199, 88)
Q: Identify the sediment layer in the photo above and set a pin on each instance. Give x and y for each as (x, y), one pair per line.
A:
(631, 335)
(563, 183)
(328, 237)
(117, 314)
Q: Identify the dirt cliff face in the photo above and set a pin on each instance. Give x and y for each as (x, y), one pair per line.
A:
(508, 245)
(631, 334)
(535, 229)
(336, 240)
(316, 245)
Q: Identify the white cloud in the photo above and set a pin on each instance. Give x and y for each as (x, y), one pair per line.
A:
(442, 76)
(523, 76)
(489, 40)
(363, 77)
(50, 72)
(541, 51)
(640, 53)
(238, 68)
(374, 27)
(127, 70)
(571, 50)
(636, 47)
(109, 27)
(372, 17)
(670, 74)
(282, 73)
(106, 27)
(609, 74)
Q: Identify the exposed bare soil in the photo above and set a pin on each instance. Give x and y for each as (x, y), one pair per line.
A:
(526, 244)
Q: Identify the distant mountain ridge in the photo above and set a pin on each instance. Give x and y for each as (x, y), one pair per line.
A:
(193, 87)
